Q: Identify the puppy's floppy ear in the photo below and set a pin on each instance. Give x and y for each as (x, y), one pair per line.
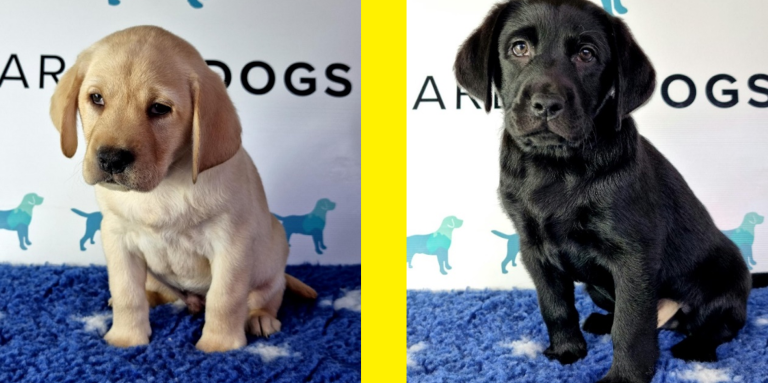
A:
(635, 77)
(215, 125)
(64, 105)
(477, 63)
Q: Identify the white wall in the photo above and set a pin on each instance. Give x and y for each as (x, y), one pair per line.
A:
(453, 154)
(306, 148)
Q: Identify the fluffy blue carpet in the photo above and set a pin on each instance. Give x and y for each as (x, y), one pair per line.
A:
(51, 318)
(498, 336)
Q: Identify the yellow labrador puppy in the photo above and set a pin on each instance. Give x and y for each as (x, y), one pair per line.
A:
(185, 215)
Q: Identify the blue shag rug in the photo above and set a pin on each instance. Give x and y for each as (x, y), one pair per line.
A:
(499, 336)
(52, 318)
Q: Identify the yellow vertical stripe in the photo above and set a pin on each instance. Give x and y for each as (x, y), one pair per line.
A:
(383, 190)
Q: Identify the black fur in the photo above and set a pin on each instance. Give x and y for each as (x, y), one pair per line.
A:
(592, 200)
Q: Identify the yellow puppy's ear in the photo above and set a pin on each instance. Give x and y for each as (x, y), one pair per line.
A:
(215, 125)
(64, 107)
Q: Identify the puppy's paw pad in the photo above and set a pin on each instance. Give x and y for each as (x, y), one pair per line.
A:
(691, 352)
(261, 323)
(566, 354)
(598, 324)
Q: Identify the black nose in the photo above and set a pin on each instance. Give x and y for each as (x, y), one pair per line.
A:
(546, 106)
(114, 160)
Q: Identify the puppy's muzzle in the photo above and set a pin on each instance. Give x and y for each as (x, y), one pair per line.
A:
(114, 160)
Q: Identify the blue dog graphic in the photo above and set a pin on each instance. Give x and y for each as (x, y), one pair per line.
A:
(194, 3)
(513, 248)
(744, 236)
(309, 224)
(616, 5)
(92, 225)
(18, 219)
(436, 243)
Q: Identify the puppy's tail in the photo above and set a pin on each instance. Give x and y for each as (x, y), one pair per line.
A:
(279, 218)
(759, 280)
(80, 213)
(299, 287)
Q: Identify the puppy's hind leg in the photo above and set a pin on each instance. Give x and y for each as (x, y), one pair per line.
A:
(159, 294)
(597, 323)
(263, 304)
(711, 326)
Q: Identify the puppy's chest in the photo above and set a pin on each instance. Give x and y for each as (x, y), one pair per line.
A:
(176, 240)
(178, 258)
(559, 217)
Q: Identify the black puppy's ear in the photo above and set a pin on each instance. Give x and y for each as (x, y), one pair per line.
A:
(635, 76)
(477, 63)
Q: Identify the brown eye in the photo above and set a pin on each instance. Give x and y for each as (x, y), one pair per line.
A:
(586, 55)
(159, 109)
(520, 49)
(97, 99)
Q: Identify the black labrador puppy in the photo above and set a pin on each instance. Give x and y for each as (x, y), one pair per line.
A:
(593, 200)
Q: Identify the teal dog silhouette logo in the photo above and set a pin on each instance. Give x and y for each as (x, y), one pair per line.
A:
(616, 7)
(513, 248)
(744, 236)
(311, 224)
(18, 219)
(436, 243)
(194, 3)
(92, 225)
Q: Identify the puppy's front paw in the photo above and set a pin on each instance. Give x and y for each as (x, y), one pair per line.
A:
(220, 343)
(123, 338)
(262, 323)
(567, 353)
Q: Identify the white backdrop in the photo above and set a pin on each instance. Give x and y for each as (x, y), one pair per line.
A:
(453, 153)
(306, 147)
